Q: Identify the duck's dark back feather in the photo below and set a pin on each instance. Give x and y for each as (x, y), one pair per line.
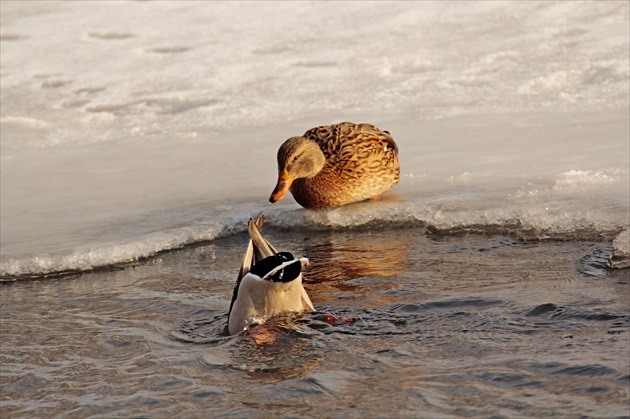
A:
(286, 274)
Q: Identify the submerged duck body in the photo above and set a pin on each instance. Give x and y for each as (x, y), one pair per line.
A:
(336, 165)
(269, 283)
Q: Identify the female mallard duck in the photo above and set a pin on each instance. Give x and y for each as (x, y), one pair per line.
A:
(336, 165)
(269, 283)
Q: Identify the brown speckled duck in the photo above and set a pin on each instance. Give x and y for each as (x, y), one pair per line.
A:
(336, 165)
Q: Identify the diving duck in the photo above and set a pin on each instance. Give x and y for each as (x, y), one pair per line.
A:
(269, 283)
(336, 165)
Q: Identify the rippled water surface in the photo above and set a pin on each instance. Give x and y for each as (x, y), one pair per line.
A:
(408, 325)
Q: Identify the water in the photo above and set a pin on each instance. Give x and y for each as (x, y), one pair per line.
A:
(407, 326)
(138, 137)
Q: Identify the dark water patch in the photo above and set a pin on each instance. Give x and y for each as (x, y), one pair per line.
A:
(397, 352)
(482, 246)
(596, 390)
(591, 316)
(158, 306)
(172, 383)
(208, 395)
(510, 380)
(579, 371)
(544, 309)
(556, 312)
(398, 292)
(209, 331)
(445, 305)
(204, 313)
(340, 321)
(594, 264)
(589, 371)
(363, 322)
(460, 314)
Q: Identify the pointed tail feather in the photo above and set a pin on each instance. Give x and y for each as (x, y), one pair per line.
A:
(248, 258)
(262, 248)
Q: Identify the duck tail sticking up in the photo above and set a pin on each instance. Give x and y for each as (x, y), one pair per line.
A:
(268, 283)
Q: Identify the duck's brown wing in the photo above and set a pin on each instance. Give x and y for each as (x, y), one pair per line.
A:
(330, 139)
(347, 146)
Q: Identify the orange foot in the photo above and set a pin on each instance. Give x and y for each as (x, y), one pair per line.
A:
(375, 198)
(332, 319)
(263, 335)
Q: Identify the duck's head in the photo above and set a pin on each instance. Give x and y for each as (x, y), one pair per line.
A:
(298, 157)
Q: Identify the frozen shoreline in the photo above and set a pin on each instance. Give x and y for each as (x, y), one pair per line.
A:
(120, 140)
(450, 182)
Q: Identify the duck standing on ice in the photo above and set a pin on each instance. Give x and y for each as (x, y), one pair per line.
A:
(269, 283)
(336, 165)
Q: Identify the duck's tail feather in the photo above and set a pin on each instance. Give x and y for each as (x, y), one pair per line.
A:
(248, 258)
(262, 248)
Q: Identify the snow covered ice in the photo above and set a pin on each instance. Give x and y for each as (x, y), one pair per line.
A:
(133, 127)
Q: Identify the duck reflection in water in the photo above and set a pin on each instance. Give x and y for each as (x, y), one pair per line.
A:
(365, 256)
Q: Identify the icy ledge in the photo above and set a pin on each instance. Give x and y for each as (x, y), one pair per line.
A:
(620, 258)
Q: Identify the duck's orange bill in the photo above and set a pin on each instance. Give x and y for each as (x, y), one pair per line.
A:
(282, 187)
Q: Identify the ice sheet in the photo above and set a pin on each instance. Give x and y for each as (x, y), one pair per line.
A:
(133, 127)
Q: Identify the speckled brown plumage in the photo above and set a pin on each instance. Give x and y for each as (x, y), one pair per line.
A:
(361, 161)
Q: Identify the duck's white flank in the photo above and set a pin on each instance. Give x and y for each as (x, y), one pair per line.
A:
(259, 299)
